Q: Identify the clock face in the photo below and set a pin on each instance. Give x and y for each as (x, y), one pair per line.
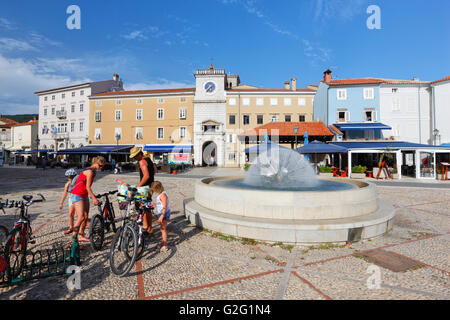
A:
(210, 87)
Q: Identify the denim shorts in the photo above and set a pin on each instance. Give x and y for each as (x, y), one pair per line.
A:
(166, 216)
(75, 198)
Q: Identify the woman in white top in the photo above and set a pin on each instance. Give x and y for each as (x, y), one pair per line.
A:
(162, 210)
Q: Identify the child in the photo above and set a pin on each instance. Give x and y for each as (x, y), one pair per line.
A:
(162, 210)
(70, 174)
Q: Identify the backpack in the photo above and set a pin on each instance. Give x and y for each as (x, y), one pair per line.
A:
(74, 183)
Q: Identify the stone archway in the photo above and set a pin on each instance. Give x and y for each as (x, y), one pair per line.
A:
(209, 153)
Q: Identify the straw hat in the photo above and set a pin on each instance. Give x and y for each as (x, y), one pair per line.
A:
(134, 152)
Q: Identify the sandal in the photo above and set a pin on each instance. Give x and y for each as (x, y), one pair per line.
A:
(164, 249)
(83, 238)
(70, 230)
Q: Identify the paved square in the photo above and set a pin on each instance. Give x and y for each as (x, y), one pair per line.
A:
(205, 265)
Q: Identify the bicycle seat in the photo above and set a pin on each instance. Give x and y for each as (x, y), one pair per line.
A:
(27, 198)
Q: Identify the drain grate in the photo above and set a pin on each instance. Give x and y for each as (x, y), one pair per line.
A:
(390, 260)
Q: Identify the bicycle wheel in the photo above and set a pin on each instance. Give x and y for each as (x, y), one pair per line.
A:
(141, 247)
(112, 218)
(97, 232)
(123, 251)
(3, 239)
(15, 250)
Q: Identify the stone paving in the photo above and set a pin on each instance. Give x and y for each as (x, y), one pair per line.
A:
(204, 265)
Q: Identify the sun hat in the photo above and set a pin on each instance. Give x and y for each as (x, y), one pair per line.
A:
(134, 152)
(70, 173)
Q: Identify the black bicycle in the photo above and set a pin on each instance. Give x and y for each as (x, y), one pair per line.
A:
(128, 244)
(104, 220)
(18, 239)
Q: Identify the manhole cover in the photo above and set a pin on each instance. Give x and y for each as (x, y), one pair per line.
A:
(390, 260)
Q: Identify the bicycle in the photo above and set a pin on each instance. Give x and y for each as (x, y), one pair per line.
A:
(102, 221)
(18, 238)
(129, 242)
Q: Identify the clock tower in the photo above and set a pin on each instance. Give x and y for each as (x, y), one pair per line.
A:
(209, 116)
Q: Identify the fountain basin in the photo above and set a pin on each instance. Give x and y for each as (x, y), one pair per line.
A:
(350, 213)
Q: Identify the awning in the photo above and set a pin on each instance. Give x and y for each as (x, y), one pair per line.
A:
(34, 151)
(362, 126)
(263, 147)
(374, 145)
(320, 147)
(169, 148)
(93, 149)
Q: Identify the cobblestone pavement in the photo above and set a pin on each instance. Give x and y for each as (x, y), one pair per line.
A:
(204, 265)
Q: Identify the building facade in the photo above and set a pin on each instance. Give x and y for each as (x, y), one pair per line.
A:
(24, 136)
(5, 132)
(440, 115)
(64, 113)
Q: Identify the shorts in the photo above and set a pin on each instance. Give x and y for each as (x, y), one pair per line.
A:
(70, 201)
(166, 216)
(75, 198)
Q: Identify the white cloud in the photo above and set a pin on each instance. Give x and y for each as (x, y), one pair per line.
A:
(6, 24)
(9, 44)
(316, 53)
(341, 9)
(137, 34)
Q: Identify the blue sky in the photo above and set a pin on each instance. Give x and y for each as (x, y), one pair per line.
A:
(160, 44)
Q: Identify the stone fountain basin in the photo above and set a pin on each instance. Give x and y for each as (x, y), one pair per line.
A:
(288, 205)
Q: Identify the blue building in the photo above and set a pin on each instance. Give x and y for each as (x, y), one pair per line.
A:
(352, 105)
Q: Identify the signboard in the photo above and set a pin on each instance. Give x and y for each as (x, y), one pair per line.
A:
(180, 158)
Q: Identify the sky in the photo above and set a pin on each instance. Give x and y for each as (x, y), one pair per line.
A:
(159, 44)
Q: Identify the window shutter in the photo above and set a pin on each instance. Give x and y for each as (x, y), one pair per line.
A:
(347, 116)
(374, 115)
(337, 116)
(233, 138)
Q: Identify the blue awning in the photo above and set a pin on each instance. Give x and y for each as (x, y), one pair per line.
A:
(362, 126)
(320, 147)
(381, 145)
(34, 151)
(93, 149)
(169, 148)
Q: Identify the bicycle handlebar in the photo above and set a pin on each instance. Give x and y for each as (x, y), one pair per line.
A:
(106, 194)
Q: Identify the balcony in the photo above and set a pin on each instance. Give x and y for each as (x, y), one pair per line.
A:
(61, 114)
(60, 135)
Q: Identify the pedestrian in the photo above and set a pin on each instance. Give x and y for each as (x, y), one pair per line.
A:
(44, 162)
(70, 174)
(147, 171)
(162, 211)
(80, 194)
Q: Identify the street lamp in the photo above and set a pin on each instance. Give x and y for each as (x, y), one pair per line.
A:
(295, 131)
(117, 150)
(435, 134)
(37, 151)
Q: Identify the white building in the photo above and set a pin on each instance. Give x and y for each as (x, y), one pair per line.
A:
(64, 113)
(405, 106)
(24, 135)
(440, 111)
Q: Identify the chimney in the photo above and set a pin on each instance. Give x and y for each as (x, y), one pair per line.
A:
(327, 76)
(115, 77)
(293, 84)
(286, 85)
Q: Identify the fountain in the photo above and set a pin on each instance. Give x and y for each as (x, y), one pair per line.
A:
(282, 200)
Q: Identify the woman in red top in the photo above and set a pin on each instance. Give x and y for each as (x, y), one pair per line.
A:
(80, 196)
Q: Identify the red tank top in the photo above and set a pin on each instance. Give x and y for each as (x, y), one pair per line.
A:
(80, 186)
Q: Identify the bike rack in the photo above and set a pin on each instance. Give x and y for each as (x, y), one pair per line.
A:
(39, 264)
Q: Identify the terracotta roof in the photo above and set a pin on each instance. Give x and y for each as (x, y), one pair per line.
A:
(444, 79)
(287, 129)
(26, 123)
(335, 129)
(276, 89)
(5, 122)
(118, 93)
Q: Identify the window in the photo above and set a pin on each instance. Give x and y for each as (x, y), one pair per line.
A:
(182, 132)
(118, 115)
(98, 103)
(138, 101)
(395, 104)
(301, 102)
(160, 133)
(98, 116)
(259, 119)
(232, 101)
(232, 156)
(231, 119)
(63, 107)
(45, 112)
(81, 126)
(368, 93)
(139, 114)
(231, 138)
(369, 115)
(301, 118)
(73, 94)
(183, 112)
(183, 99)
(139, 134)
(287, 101)
(81, 107)
(63, 96)
(342, 94)
(118, 133)
(53, 97)
(259, 101)
(62, 127)
(53, 111)
(246, 101)
(82, 93)
(98, 134)
(72, 108)
(160, 100)
(287, 118)
(72, 127)
(118, 102)
(160, 114)
(343, 116)
(273, 101)
(45, 98)
(394, 90)
(246, 119)
(274, 118)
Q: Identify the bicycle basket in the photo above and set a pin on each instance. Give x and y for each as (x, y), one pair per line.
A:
(142, 192)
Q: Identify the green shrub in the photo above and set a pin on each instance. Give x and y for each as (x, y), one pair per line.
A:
(359, 169)
(325, 169)
(246, 166)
